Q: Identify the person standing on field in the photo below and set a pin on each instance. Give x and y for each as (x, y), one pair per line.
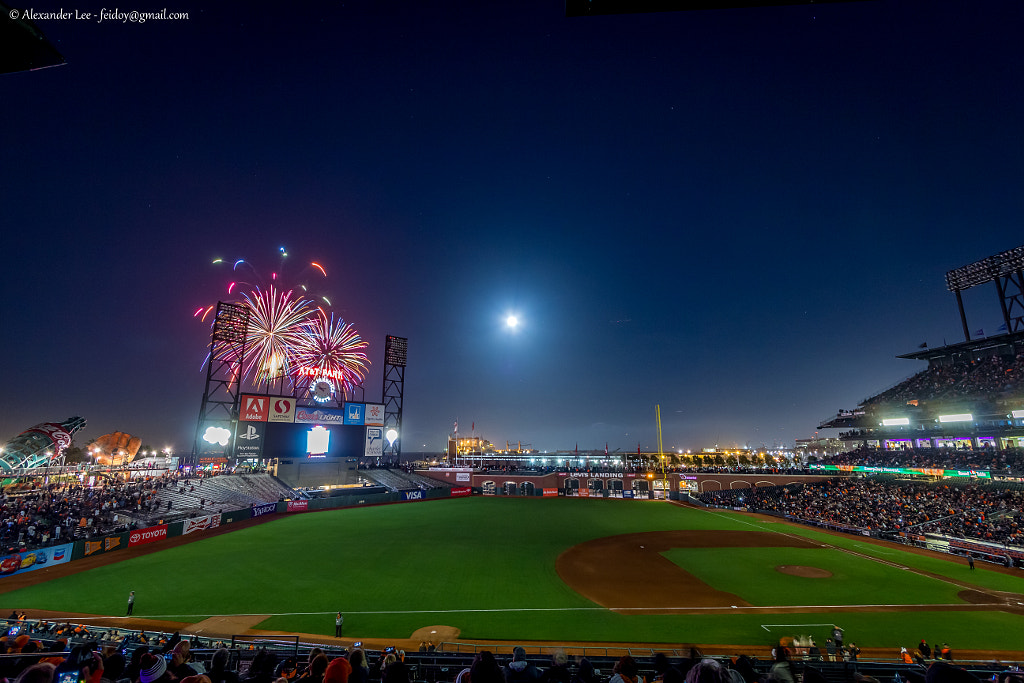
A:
(131, 603)
(338, 622)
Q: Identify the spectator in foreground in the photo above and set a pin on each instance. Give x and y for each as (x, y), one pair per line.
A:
(627, 671)
(485, 669)
(338, 671)
(360, 667)
(558, 672)
(519, 670)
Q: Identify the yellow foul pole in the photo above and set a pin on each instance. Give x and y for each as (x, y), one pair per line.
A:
(661, 456)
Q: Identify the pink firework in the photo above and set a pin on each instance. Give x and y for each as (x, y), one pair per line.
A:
(332, 348)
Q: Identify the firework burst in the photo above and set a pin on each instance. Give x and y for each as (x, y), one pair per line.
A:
(332, 348)
(293, 337)
(277, 327)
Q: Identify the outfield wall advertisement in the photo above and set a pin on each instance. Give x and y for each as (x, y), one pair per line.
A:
(148, 535)
(260, 509)
(193, 525)
(30, 560)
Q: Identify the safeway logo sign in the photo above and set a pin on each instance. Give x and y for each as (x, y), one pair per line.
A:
(153, 533)
(255, 408)
(282, 410)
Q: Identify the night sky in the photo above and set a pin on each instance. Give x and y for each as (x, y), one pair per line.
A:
(741, 215)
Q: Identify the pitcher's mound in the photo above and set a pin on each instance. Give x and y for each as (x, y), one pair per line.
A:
(435, 634)
(805, 572)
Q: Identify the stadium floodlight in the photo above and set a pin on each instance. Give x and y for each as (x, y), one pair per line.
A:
(1017, 414)
(896, 421)
(959, 417)
(985, 270)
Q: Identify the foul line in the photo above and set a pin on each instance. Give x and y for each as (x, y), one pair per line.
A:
(556, 609)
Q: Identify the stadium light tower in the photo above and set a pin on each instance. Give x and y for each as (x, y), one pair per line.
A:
(395, 352)
(1006, 269)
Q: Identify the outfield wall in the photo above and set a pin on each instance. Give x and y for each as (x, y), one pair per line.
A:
(41, 558)
(696, 482)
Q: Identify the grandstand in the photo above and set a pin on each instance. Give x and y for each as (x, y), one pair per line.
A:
(970, 396)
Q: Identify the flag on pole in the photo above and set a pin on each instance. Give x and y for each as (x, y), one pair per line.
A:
(456, 426)
(472, 427)
(577, 448)
(606, 449)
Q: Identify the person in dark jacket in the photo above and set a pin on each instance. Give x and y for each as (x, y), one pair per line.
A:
(218, 672)
(558, 672)
(485, 669)
(518, 670)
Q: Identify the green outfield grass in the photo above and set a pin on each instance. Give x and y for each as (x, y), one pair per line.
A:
(487, 566)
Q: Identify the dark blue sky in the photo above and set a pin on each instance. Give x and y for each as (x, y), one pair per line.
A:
(742, 215)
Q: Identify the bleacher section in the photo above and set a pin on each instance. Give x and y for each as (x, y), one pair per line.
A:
(398, 480)
(216, 494)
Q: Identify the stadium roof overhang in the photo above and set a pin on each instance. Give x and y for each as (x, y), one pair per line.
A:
(1011, 341)
(23, 47)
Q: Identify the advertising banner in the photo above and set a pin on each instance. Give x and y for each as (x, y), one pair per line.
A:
(60, 437)
(326, 416)
(354, 413)
(374, 442)
(374, 416)
(412, 495)
(260, 509)
(584, 493)
(254, 408)
(460, 491)
(112, 542)
(550, 493)
(200, 523)
(627, 493)
(30, 560)
(282, 409)
(249, 440)
(93, 547)
(148, 535)
(298, 505)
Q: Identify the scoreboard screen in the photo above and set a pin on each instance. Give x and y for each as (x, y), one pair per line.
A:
(314, 442)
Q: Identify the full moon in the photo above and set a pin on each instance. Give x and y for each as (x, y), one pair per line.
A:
(511, 321)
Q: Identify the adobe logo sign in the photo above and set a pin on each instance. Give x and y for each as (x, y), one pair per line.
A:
(281, 409)
(255, 408)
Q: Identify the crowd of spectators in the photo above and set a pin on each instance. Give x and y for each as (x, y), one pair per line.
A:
(36, 513)
(971, 511)
(995, 460)
(40, 653)
(988, 377)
